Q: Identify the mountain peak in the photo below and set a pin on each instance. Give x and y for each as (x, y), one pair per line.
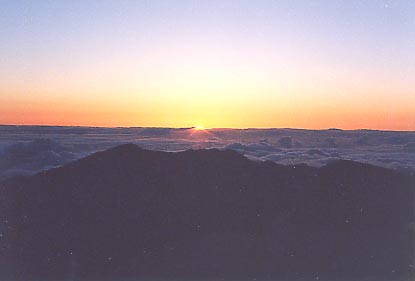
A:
(131, 214)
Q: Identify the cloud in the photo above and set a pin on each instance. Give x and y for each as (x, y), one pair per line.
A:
(285, 142)
(28, 149)
(409, 147)
(315, 151)
(156, 132)
(253, 149)
(33, 156)
(265, 151)
(399, 139)
(331, 142)
(364, 140)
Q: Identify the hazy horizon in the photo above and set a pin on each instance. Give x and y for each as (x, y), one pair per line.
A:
(208, 128)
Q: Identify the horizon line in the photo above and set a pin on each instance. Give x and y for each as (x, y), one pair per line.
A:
(213, 128)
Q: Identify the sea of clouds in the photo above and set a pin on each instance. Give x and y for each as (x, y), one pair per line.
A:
(25, 150)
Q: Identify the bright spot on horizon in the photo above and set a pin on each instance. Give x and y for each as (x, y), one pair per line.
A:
(199, 128)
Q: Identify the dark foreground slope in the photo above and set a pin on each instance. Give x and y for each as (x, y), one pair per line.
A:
(133, 214)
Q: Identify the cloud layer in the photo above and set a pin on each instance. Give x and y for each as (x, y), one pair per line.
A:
(29, 149)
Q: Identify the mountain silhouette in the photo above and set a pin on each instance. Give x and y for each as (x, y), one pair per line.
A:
(133, 214)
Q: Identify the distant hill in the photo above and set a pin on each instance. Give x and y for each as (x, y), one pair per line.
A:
(133, 214)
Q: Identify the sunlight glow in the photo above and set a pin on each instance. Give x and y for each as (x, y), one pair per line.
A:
(243, 64)
(199, 128)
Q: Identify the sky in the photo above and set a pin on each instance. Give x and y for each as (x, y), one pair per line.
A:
(301, 64)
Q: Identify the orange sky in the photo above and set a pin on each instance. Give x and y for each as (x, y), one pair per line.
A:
(191, 63)
(238, 114)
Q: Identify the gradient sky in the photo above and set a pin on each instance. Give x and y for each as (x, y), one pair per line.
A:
(304, 64)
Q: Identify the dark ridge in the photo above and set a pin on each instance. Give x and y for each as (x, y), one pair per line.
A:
(133, 214)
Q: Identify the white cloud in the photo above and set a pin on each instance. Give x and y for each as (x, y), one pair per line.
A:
(28, 149)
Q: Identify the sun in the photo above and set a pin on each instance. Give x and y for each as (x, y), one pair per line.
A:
(198, 128)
